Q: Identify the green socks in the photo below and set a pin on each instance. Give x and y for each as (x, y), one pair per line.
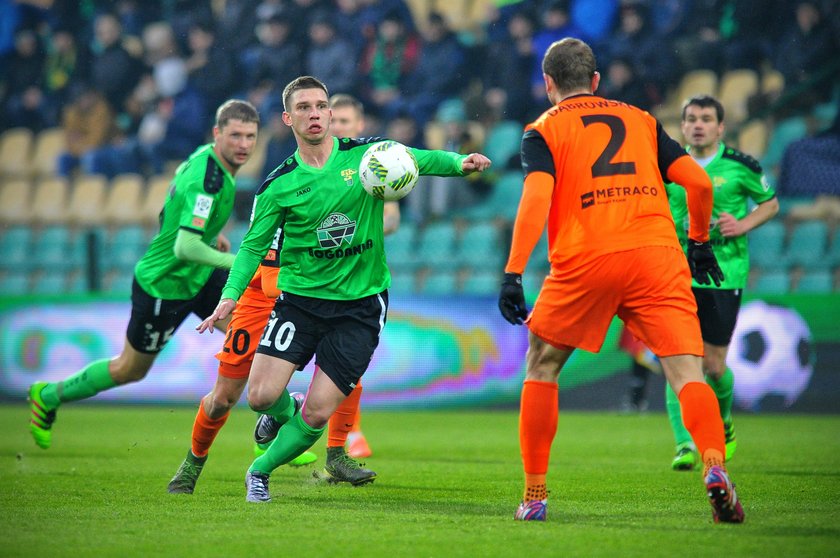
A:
(283, 408)
(672, 405)
(724, 389)
(294, 438)
(85, 383)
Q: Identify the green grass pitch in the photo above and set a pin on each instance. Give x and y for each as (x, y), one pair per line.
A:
(448, 483)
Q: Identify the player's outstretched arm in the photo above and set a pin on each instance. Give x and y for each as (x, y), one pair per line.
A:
(222, 311)
(475, 162)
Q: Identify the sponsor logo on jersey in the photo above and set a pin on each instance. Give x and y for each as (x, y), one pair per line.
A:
(615, 194)
(718, 181)
(339, 253)
(335, 230)
(347, 175)
(303, 191)
(202, 206)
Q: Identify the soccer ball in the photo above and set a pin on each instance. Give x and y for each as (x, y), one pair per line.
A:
(770, 354)
(388, 170)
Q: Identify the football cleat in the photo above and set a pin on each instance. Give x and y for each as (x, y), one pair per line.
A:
(685, 459)
(187, 475)
(357, 446)
(731, 440)
(532, 510)
(341, 467)
(267, 426)
(41, 419)
(256, 485)
(721, 491)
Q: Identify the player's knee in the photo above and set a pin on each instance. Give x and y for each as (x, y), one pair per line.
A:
(220, 404)
(261, 398)
(714, 367)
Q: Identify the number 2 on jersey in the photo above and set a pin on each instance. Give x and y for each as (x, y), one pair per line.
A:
(603, 165)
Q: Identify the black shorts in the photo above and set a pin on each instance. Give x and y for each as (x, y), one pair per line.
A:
(342, 334)
(718, 312)
(154, 320)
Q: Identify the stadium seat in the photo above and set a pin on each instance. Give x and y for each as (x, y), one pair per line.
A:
(819, 281)
(77, 283)
(124, 199)
(87, 200)
(832, 255)
(53, 245)
(235, 232)
(752, 139)
(118, 282)
(15, 149)
(124, 248)
(49, 284)
(16, 248)
(736, 87)
(783, 134)
(503, 141)
(532, 281)
(766, 244)
(402, 282)
(14, 283)
(436, 247)
(440, 282)
(156, 191)
(695, 82)
(400, 248)
(49, 205)
(49, 145)
(483, 282)
(773, 282)
(503, 201)
(772, 82)
(15, 197)
(481, 247)
(807, 245)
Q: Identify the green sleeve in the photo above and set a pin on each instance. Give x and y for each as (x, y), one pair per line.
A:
(757, 187)
(189, 247)
(438, 163)
(267, 218)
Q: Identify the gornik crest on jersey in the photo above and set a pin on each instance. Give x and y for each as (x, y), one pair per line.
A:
(336, 230)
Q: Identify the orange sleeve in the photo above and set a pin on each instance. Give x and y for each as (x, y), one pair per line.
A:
(698, 189)
(530, 219)
(269, 280)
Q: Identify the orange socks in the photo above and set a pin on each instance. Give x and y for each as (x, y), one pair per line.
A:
(342, 420)
(205, 430)
(701, 417)
(538, 413)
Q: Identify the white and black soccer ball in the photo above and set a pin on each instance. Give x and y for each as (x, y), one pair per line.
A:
(388, 170)
(770, 354)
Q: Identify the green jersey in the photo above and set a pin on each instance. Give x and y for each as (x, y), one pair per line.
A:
(736, 178)
(332, 229)
(200, 200)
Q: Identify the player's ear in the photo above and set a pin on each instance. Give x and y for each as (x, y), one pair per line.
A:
(287, 119)
(596, 81)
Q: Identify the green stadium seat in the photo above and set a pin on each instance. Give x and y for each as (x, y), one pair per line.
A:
(118, 282)
(766, 245)
(832, 255)
(402, 282)
(437, 246)
(14, 283)
(818, 281)
(483, 283)
(235, 233)
(807, 245)
(401, 248)
(784, 133)
(503, 200)
(532, 281)
(773, 282)
(16, 247)
(440, 282)
(49, 284)
(125, 247)
(53, 249)
(503, 142)
(481, 247)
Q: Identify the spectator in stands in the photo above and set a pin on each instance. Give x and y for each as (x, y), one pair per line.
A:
(556, 25)
(66, 62)
(281, 142)
(622, 83)
(507, 72)
(806, 48)
(114, 71)
(25, 103)
(330, 57)
(748, 29)
(595, 19)
(439, 72)
(373, 12)
(88, 124)
(389, 57)
(210, 65)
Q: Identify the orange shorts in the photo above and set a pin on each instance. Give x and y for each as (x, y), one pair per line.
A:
(244, 333)
(649, 288)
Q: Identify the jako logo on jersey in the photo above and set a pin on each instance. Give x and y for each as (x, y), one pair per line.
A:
(336, 230)
(304, 191)
(616, 194)
(347, 175)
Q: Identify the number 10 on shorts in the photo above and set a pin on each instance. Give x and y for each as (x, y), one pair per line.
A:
(281, 337)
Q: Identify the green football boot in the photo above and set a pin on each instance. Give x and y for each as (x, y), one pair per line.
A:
(341, 467)
(41, 418)
(187, 475)
(685, 459)
(731, 440)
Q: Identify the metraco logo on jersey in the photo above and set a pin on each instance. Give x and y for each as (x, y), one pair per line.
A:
(616, 194)
(202, 206)
(336, 230)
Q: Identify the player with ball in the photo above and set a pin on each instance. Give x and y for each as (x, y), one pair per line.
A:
(333, 273)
